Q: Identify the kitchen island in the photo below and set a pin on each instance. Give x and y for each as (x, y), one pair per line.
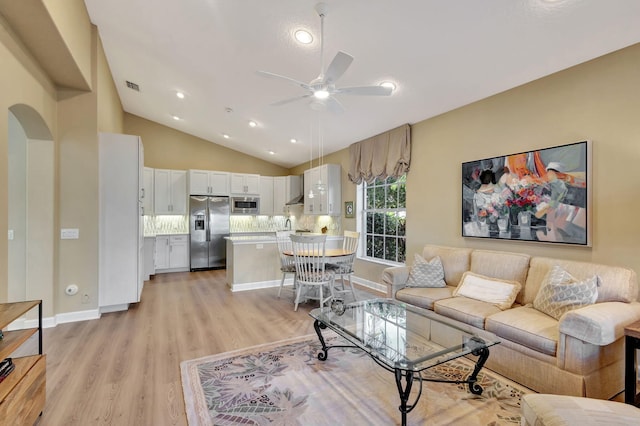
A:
(253, 261)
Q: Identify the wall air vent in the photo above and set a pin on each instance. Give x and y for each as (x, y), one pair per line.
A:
(133, 86)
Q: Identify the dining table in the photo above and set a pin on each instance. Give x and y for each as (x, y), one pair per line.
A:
(332, 255)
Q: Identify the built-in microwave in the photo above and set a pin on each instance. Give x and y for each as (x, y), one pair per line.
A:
(245, 205)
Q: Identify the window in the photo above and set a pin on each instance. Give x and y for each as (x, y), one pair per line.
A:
(384, 218)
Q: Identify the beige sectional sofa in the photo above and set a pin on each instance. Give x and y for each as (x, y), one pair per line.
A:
(580, 354)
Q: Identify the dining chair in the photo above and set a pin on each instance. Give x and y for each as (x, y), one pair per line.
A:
(312, 280)
(286, 262)
(344, 267)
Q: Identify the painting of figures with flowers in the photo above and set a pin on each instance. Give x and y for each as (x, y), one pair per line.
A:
(540, 195)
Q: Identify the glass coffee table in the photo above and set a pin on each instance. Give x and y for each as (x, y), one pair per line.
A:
(404, 340)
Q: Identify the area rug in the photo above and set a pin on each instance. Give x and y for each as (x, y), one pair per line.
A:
(284, 383)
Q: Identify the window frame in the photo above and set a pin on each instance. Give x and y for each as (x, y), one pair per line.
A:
(361, 225)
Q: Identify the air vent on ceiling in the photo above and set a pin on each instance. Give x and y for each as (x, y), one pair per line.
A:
(133, 86)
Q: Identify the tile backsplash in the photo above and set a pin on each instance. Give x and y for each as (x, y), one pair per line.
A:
(244, 223)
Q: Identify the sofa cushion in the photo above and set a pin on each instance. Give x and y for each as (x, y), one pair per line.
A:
(561, 292)
(426, 274)
(455, 261)
(466, 310)
(501, 293)
(559, 410)
(526, 326)
(423, 297)
(500, 264)
(617, 284)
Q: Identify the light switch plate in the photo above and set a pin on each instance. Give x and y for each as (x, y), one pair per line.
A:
(10, 234)
(69, 234)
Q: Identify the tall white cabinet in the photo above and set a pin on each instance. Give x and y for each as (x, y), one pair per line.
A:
(121, 238)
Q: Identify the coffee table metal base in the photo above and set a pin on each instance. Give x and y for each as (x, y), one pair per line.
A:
(408, 376)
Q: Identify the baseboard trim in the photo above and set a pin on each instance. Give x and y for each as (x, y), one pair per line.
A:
(370, 284)
(256, 285)
(77, 316)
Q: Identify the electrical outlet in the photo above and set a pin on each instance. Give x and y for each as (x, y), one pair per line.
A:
(69, 234)
(85, 298)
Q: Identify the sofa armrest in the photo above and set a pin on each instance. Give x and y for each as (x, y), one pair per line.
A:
(600, 324)
(395, 278)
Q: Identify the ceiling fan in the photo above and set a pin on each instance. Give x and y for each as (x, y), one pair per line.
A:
(322, 89)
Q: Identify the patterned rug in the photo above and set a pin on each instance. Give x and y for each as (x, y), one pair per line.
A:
(284, 383)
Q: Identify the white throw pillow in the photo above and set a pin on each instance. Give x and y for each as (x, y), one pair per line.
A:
(501, 293)
(426, 274)
(560, 292)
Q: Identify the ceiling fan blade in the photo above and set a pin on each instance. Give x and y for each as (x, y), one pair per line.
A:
(286, 101)
(334, 105)
(365, 91)
(337, 67)
(282, 77)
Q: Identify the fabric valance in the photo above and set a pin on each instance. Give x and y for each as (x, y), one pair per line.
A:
(385, 155)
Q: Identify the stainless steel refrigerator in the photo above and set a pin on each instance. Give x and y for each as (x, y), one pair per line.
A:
(208, 225)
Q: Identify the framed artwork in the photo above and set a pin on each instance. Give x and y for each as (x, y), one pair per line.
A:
(348, 209)
(542, 195)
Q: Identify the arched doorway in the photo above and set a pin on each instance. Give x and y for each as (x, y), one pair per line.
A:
(31, 199)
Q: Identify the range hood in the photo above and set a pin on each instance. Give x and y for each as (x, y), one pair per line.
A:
(298, 199)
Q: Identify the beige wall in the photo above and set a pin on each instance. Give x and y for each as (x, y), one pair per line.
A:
(166, 148)
(110, 114)
(598, 100)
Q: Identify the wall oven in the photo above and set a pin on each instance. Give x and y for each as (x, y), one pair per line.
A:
(245, 205)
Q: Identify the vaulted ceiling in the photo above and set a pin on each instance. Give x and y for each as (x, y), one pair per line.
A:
(441, 55)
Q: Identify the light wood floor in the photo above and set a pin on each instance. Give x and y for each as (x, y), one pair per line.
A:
(124, 369)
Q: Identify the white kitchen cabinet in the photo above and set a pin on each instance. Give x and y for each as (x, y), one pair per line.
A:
(266, 195)
(162, 252)
(172, 253)
(245, 184)
(285, 188)
(208, 182)
(147, 191)
(327, 201)
(178, 251)
(170, 192)
(120, 239)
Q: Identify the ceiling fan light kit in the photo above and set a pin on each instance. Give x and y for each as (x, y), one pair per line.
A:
(322, 89)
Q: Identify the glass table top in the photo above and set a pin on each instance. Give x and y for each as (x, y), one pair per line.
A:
(400, 335)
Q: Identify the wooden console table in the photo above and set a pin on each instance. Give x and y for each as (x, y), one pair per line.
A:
(631, 344)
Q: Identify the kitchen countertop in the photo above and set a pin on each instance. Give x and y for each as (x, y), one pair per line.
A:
(164, 233)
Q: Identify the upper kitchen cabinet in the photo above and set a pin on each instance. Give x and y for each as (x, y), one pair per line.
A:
(285, 189)
(327, 199)
(147, 191)
(266, 195)
(170, 192)
(245, 184)
(208, 182)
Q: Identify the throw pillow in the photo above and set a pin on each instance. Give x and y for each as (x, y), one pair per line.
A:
(560, 292)
(501, 293)
(426, 274)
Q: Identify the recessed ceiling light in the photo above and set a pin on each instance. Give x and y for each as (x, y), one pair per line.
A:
(175, 117)
(271, 152)
(389, 84)
(226, 136)
(294, 140)
(180, 95)
(252, 123)
(303, 36)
